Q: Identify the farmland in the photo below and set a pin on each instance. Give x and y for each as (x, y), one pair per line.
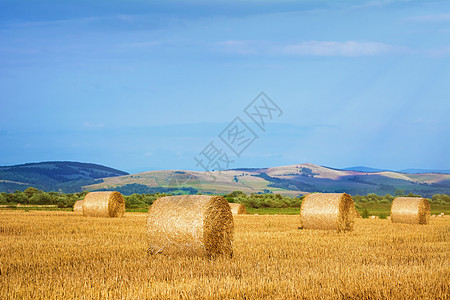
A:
(57, 255)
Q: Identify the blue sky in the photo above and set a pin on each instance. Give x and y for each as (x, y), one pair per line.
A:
(146, 85)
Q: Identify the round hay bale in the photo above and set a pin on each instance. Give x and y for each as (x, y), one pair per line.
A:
(192, 225)
(410, 210)
(237, 209)
(328, 211)
(104, 204)
(78, 206)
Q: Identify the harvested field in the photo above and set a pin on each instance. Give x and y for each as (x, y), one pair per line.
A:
(62, 255)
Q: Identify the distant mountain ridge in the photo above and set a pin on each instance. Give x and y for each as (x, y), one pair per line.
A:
(291, 180)
(64, 176)
(407, 171)
(364, 169)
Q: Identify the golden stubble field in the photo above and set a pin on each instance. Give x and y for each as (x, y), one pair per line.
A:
(62, 255)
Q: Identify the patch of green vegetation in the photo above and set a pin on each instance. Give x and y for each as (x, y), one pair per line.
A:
(144, 210)
(136, 188)
(274, 211)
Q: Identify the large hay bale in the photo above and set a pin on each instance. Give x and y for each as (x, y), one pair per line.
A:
(237, 209)
(191, 225)
(78, 206)
(104, 204)
(410, 210)
(328, 211)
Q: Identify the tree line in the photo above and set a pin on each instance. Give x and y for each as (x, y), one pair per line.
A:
(33, 196)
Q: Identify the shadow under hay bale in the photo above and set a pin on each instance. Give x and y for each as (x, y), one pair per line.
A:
(335, 211)
(104, 204)
(237, 209)
(191, 225)
(78, 206)
(410, 210)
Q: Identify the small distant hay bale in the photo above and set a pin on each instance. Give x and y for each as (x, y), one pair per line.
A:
(191, 225)
(328, 211)
(104, 204)
(374, 217)
(237, 209)
(388, 217)
(410, 210)
(442, 215)
(78, 206)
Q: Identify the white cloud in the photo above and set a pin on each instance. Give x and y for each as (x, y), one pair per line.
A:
(348, 48)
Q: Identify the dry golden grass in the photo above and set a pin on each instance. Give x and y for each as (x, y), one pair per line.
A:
(59, 255)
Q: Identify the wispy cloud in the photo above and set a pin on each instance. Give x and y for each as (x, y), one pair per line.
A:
(92, 125)
(379, 3)
(312, 48)
(53, 22)
(445, 17)
(243, 46)
(73, 21)
(142, 44)
(439, 52)
(348, 48)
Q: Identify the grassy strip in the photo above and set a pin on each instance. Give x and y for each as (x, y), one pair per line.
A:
(379, 209)
(374, 209)
(137, 209)
(274, 211)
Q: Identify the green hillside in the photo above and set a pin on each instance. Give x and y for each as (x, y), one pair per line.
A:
(60, 176)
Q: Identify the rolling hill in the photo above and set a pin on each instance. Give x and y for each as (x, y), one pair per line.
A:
(291, 180)
(61, 176)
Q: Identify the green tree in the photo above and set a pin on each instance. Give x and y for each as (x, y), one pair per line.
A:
(29, 192)
(365, 213)
(399, 192)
